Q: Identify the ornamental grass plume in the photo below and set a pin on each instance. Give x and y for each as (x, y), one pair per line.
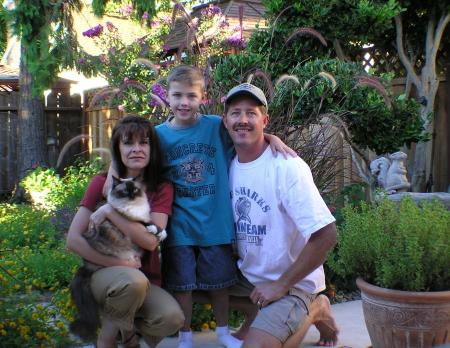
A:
(374, 82)
(286, 77)
(306, 31)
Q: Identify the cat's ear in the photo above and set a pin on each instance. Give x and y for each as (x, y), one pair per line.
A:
(116, 181)
(136, 178)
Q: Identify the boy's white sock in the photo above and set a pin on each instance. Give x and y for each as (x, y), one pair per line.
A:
(185, 339)
(225, 338)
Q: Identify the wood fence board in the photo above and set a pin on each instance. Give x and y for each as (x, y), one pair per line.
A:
(65, 123)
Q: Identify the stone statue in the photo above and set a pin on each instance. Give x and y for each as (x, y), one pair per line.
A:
(391, 176)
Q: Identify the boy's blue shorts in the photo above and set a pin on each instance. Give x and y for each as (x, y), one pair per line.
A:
(190, 267)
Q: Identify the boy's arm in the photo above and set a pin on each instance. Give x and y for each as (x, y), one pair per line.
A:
(108, 183)
(277, 145)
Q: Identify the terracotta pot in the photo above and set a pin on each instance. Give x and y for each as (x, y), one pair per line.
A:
(405, 319)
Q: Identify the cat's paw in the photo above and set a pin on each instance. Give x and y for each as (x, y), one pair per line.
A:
(152, 229)
(162, 235)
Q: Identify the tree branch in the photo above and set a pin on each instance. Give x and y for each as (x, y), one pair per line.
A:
(401, 52)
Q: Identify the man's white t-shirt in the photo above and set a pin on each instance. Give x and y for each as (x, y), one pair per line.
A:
(276, 207)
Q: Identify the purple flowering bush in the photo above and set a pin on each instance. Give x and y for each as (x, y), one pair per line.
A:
(94, 31)
(120, 63)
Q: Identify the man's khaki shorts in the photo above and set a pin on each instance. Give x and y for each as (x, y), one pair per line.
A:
(281, 318)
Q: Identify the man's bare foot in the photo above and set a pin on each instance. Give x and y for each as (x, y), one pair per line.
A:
(245, 326)
(325, 323)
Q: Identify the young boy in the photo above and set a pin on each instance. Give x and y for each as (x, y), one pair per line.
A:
(197, 253)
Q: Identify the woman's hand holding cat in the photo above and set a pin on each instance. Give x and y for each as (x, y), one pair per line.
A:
(132, 263)
(100, 215)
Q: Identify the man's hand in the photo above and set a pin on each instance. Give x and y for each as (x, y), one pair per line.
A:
(264, 294)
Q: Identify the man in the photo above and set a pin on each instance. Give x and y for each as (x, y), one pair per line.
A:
(283, 229)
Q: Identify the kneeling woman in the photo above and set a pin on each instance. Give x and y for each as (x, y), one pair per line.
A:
(122, 288)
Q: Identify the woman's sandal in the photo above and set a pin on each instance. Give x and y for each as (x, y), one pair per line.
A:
(129, 339)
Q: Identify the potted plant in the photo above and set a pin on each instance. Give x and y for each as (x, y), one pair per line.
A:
(401, 256)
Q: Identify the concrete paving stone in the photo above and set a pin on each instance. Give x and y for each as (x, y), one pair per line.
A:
(349, 318)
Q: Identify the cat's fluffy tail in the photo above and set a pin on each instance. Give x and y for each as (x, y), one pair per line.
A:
(88, 322)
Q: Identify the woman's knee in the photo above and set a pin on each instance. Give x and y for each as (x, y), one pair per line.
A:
(130, 282)
(174, 319)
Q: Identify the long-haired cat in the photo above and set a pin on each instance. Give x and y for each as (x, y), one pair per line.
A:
(129, 199)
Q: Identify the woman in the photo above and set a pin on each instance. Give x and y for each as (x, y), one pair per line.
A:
(122, 289)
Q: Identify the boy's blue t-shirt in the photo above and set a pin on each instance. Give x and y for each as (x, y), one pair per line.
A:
(196, 158)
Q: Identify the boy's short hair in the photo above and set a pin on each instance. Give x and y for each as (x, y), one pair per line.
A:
(186, 74)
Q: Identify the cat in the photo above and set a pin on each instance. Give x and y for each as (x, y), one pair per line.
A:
(129, 199)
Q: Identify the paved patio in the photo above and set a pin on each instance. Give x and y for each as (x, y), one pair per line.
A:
(348, 315)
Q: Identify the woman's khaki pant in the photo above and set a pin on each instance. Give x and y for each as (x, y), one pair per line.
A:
(130, 301)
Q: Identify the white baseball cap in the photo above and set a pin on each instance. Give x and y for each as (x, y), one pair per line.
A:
(247, 88)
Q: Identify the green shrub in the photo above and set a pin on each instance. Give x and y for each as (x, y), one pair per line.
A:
(403, 249)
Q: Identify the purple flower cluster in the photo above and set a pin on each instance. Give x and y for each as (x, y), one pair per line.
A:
(167, 20)
(234, 41)
(165, 47)
(127, 10)
(81, 61)
(158, 90)
(155, 24)
(145, 15)
(111, 27)
(95, 31)
(211, 11)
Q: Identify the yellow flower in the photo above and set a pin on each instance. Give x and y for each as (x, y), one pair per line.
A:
(17, 287)
(60, 324)
(207, 307)
(35, 316)
(39, 307)
(205, 327)
(21, 321)
(57, 284)
(39, 335)
(12, 325)
(212, 325)
(3, 332)
(63, 256)
(24, 330)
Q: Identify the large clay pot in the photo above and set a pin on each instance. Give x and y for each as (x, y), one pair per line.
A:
(405, 319)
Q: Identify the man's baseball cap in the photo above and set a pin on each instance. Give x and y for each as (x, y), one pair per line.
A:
(247, 88)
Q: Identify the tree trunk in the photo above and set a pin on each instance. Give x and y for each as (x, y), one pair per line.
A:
(31, 151)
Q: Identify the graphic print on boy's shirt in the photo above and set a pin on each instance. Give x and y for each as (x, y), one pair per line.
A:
(193, 169)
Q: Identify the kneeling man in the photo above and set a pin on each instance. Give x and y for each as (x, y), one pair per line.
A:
(283, 229)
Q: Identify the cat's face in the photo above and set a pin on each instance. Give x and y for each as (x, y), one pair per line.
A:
(126, 189)
(135, 154)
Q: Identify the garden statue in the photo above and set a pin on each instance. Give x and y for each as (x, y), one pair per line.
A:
(391, 176)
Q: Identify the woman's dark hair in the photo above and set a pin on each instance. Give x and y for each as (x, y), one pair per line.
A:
(129, 127)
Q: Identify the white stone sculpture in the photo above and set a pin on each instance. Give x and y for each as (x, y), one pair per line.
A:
(391, 176)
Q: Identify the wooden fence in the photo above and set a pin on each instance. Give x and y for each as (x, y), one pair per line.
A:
(64, 120)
